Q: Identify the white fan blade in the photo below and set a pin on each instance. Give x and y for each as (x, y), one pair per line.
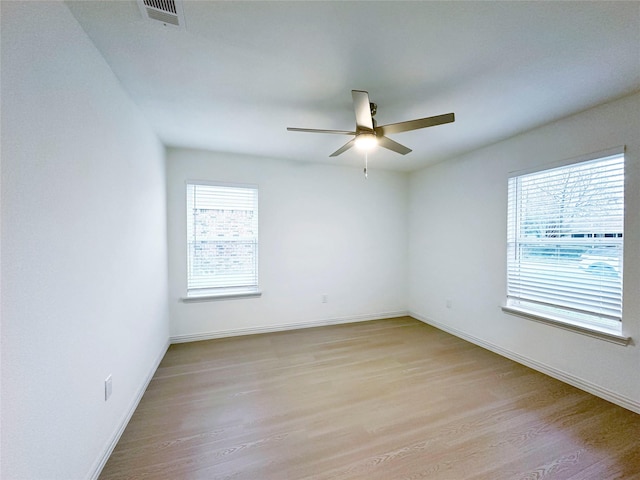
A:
(364, 121)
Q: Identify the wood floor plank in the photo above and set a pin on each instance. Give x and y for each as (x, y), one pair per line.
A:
(380, 400)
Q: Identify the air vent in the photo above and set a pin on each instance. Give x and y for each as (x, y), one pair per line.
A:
(169, 12)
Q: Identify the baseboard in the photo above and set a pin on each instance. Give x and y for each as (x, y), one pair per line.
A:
(102, 460)
(285, 326)
(565, 377)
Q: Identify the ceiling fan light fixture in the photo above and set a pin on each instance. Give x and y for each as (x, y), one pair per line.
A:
(366, 141)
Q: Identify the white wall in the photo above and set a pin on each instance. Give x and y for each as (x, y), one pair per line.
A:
(84, 289)
(457, 236)
(323, 230)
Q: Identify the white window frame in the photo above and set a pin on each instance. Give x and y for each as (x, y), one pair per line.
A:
(209, 288)
(606, 325)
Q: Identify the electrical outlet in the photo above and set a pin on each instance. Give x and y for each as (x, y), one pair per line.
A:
(325, 298)
(108, 388)
(448, 303)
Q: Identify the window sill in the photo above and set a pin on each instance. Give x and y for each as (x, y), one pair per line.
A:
(209, 297)
(590, 330)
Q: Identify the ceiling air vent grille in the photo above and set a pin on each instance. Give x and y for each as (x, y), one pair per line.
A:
(168, 12)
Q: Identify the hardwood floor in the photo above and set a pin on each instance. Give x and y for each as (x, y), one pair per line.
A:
(380, 400)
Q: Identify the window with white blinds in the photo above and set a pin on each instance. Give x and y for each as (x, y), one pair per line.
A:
(565, 242)
(222, 239)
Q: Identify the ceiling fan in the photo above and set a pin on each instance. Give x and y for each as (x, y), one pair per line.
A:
(368, 134)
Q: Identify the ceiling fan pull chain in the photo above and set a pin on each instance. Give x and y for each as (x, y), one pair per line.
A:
(366, 161)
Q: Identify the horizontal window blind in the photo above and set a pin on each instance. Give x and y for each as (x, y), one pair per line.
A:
(222, 239)
(565, 241)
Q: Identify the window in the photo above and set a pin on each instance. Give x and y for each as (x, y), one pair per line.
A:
(565, 243)
(222, 240)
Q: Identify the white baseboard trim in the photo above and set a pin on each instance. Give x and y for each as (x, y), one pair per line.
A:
(96, 469)
(195, 337)
(565, 377)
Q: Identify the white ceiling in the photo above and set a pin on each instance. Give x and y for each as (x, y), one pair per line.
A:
(241, 72)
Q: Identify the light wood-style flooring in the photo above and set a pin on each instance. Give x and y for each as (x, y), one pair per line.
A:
(380, 400)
